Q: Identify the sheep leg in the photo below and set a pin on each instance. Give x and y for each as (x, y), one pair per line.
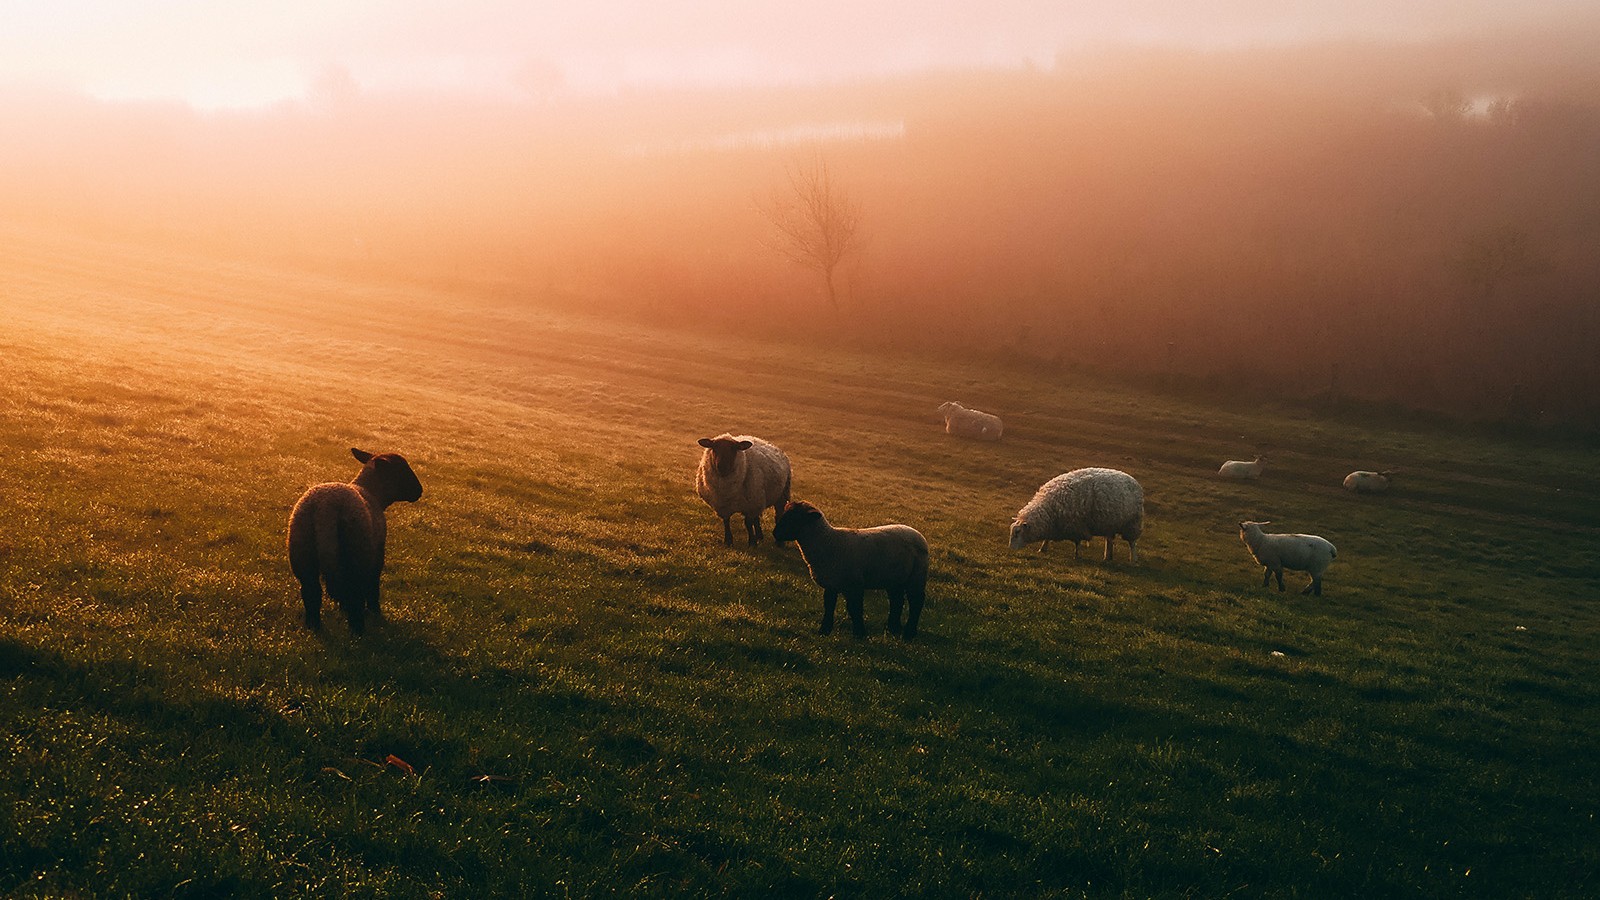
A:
(914, 613)
(372, 599)
(358, 618)
(311, 596)
(830, 599)
(853, 605)
(1109, 554)
(1133, 551)
(350, 595)
(727, 530)
(1315, 586)
(1044, 546)
(897, 602)
(1279, 573)
(752, 528)
(1266, 577)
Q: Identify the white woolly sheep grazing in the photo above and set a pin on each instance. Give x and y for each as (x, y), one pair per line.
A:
(337, 534)
(1367, 482)
(742, 474)
(1239, 470)
(852, 561)
(963, 422)
(1080, 505)
(1296, 552)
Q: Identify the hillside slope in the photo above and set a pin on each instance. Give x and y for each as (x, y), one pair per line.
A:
(590, 694)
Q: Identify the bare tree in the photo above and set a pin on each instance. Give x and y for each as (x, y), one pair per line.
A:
(817, 222)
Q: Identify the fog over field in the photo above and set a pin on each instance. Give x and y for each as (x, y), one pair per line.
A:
(1393, 206)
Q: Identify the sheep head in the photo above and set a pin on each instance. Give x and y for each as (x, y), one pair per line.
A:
(797, 516)
(1020, 533)
(726, 451)
(387, 475)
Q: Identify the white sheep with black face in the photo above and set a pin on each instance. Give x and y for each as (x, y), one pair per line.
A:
(1296, 552)
(337, 533)
(970, 423)
(1083, 504)
(745, 475)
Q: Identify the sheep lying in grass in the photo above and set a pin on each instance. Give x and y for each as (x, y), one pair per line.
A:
(963, 422)
(1367, 482)
(742, 474)
(1239, 470)
(337, 532)
(1082, 504)
(851, 561)
(1297, 552)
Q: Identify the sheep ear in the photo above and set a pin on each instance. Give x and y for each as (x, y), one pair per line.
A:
(705, 442)
(744, 445)
(361, 456)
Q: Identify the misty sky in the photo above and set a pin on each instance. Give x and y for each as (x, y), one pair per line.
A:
(248, 53)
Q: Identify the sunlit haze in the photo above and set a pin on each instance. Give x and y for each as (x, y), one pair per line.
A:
(245, 54)
(1139, 187)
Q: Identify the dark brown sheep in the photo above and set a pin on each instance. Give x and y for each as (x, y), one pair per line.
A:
(852, 561)
(337, 533)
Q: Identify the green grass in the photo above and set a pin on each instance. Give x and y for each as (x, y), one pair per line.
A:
(596, 697)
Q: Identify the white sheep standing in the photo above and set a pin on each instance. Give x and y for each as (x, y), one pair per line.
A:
(963, 422)
(1080, 505)
(742, 474)
(1367, 482)
(851, 561)
(1296, 552)
(1240, 470)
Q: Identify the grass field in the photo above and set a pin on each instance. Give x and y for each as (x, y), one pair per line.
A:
(591, 695)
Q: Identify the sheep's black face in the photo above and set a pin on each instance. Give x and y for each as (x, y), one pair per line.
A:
(796, 516)
(396, 474)
(388, 473)
(725, 451)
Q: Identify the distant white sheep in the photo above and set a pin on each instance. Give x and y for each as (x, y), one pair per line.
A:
(970, 423)
(851, 561)
(1239, 470)
(1367, 482)
(1296, 552)
(745, 475)
(1082, 504)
